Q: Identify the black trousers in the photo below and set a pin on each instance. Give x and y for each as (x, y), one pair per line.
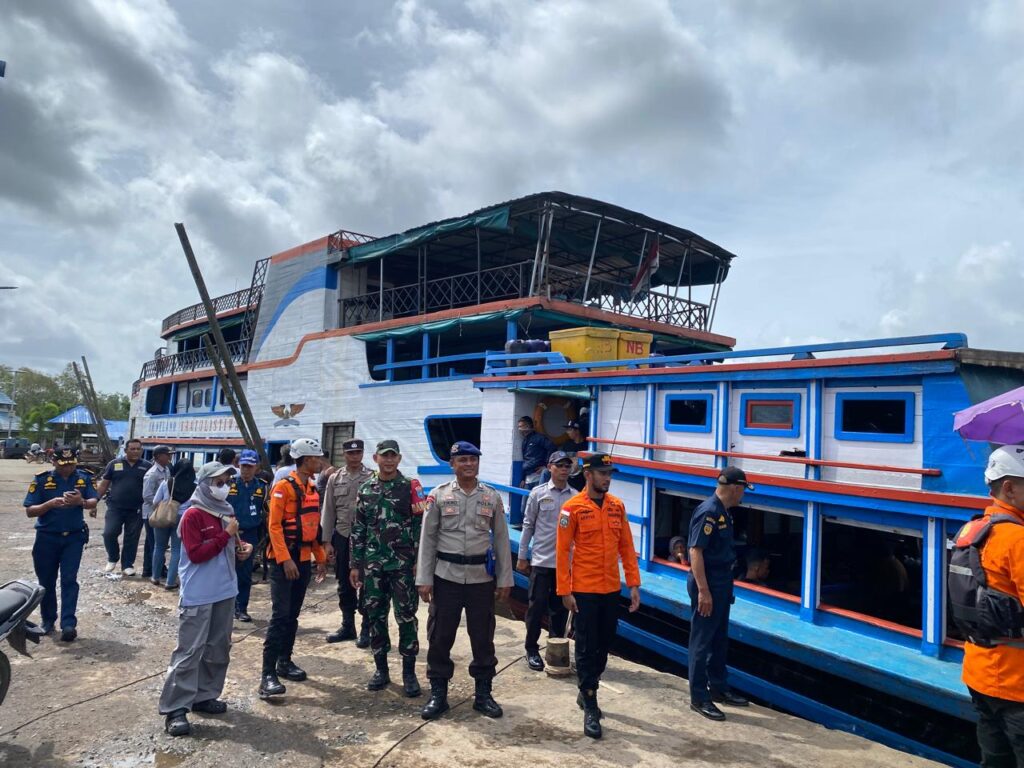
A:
(596, 621)
(544, 601)
(709, 641)
(286, 598)
(1000, 731)
(147, 550)
(443, 618)
(348, 598)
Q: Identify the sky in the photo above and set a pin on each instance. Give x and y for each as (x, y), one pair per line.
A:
(862, 160)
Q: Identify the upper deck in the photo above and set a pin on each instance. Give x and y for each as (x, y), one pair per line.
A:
(616, 266)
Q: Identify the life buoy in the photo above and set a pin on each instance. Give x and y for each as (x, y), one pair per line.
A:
(568, 406)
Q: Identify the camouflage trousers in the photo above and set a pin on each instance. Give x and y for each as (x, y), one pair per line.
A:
(380, 589)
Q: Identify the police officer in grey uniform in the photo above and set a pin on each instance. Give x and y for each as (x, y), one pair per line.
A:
(336, 516)
(464, 522)
(540, 527)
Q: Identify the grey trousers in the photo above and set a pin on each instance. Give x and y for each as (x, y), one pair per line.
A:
(200, 662)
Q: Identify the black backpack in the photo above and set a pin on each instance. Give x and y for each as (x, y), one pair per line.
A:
(986, 616)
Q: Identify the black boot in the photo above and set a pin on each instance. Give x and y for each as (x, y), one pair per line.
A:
(484, 702)
(410, 685)
(347, 630)
(438, 702)
(287, 669)
(591, 715)
(381, 677)
(270, 686)
(364, 635)
(581, 702)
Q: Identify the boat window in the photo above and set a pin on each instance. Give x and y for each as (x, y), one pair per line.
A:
(770, 415)
(875, 416)
(197, 398)
(208, 397)
(445, 431)
(872, 571)
(688, 413)
(158, 399)
(769, 548)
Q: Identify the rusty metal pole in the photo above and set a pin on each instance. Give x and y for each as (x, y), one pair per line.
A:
(92, 405)
(221, 345)
(225, 383)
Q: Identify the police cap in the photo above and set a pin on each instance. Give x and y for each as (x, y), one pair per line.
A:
(558, 456)
(65, 456)
(352, 445)
(162, 450)
(599, 461)
(464, 448)
(734, 476)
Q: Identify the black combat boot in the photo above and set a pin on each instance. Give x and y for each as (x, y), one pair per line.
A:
(484, 702)
(381, 677)
(364, 635)
(581, 702)
(270, 686)
(347, 630)
(591, 715)
(437, 705)
(287, 669)
(410, 685)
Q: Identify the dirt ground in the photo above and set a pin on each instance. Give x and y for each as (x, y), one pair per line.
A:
(92, 703)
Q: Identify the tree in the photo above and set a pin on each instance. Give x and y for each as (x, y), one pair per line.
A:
(32, 390)
(34, 423)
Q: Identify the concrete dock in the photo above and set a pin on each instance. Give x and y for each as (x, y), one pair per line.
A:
(93, 703)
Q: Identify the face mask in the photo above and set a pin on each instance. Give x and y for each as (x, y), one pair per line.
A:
(219, 492)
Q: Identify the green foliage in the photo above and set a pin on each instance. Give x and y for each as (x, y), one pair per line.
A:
(37, 394)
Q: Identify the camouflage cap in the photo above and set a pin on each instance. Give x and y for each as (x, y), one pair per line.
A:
(388, 446)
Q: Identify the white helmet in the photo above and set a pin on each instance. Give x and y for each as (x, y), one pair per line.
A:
(1007, 461)
(305, 446)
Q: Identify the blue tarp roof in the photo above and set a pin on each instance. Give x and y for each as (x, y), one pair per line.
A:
(81, 415)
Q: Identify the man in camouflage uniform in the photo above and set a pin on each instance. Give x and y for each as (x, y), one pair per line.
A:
(385, 539)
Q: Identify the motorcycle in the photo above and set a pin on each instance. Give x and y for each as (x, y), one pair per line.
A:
(36, 457)
(17, 601)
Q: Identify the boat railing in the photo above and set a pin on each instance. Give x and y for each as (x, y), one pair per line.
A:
(573, 286)
(242, 299)
(512, 281)
(923, 471)
(470, 289)
(502, 365)
(190, 360)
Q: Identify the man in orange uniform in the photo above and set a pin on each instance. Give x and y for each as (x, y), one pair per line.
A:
(294, 526)
(995, 675)
(594, 529)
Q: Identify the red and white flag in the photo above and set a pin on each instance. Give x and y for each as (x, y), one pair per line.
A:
(647, 267)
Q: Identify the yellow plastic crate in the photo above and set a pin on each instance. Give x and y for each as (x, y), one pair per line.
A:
(586, 345)
(634, 345)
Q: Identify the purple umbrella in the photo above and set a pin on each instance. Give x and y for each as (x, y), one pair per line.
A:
(997, 420)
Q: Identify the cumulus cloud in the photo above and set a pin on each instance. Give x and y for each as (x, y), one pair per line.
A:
(815, 140)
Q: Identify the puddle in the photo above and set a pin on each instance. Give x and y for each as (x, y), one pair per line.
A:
(167, 759)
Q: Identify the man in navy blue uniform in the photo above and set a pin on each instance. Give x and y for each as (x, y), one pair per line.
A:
(712, 555)
(56, 499)
(536, 449)
(248, 497)
(124, 478)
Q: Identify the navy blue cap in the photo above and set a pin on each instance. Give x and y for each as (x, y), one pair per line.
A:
(464, 448)
(248, 456)
(65, 456)
(558, 456)
(573, 425)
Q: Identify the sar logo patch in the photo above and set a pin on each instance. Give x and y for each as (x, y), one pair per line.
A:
(563, 521)
(708, 529)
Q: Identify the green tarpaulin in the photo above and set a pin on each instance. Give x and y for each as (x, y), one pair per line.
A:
(438, 326)
(495, 220)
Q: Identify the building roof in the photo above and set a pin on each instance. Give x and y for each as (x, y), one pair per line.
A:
(83, 416)
(5, 400)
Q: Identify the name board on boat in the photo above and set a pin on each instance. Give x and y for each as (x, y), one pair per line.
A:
(188, 426)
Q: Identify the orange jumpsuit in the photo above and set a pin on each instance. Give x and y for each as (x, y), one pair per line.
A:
(597, 537)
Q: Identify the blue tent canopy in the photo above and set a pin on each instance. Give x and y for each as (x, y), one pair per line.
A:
(83, 416)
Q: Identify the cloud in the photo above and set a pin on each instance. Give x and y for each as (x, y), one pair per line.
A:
(839, 149)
